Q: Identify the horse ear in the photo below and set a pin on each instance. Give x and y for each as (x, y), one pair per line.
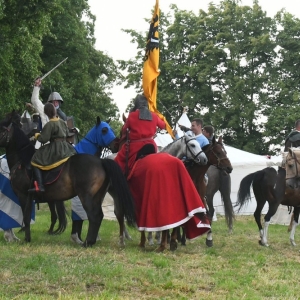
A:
(220, 140)
(290, 151)
(98, 121)
(124, 118)
(107, 121)
(213, 140)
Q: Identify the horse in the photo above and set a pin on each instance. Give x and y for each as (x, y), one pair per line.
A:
(186, 147)
(275, 187)
(217, 157)
(90, 186)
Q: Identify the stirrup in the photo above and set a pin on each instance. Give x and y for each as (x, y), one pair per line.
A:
(36, 188)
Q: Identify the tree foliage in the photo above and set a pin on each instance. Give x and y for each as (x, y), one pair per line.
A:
(233, 66)
(35, 36)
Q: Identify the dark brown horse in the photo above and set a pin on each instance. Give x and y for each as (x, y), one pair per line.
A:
(217, 157)
(84, 175)
(273, 187)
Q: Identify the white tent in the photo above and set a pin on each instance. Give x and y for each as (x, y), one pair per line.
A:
(243, 163)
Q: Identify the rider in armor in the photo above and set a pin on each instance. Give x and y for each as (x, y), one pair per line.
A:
(141, 126)
(56, 99)
(293, 139)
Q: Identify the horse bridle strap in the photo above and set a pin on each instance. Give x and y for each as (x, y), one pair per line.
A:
(5, 133)
(218, 158)
(189, 149)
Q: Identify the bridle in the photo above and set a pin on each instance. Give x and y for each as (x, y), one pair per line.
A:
(188, 148)
(211, 149)
(6, 132)
(294, 157)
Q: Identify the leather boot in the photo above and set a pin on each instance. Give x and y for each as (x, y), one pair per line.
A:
(38, 184)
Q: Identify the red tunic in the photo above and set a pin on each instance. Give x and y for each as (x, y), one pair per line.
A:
(165, 196)
(141, 133)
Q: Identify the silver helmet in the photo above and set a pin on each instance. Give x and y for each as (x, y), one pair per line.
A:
(55, 96)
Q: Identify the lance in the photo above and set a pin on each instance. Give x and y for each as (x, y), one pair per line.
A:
(44, 76)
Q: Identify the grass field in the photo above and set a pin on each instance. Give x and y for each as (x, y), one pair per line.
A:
(52, 267)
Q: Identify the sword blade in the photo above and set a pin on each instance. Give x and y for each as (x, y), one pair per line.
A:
(44, 76)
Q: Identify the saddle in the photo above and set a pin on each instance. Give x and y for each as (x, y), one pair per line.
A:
(144, 151)
(48, 176)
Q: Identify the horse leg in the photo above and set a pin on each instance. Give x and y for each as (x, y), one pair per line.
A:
(9, 236)
(183, 237)
(294, 225)
(157, 237)
(76, 231)
(126, 234)
(257, 216)
(93, 208)
(163, 243)
(173, 242)
(150, 238)
(271, 212)
(291, 222)
(26, 209)
(121, 222)
(143, 240)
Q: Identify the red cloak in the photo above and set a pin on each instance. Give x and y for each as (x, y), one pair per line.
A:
(165, 196)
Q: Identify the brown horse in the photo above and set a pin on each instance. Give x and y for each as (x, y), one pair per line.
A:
(275, 187)
(84, 175)
(217, 157)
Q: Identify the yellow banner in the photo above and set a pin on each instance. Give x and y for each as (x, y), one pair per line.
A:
(151, 66)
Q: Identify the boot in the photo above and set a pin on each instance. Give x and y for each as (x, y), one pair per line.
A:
(38, 184)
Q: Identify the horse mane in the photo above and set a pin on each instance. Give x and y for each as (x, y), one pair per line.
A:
(169, 145)
(23, 145)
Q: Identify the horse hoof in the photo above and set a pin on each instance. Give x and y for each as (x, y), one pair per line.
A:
(209, 243)
(173, 245)
(160, 249)
(293, 243)
(263, 244)
(74, 238)
(150, 242)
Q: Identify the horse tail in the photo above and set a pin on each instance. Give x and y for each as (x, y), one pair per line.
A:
(62, 217)
(225, 190)
(123, 199)
(244, 193)
(58, 211)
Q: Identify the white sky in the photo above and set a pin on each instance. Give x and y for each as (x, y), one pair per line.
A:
(114, 15)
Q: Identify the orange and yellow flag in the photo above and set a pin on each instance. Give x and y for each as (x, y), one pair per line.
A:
(151, 66)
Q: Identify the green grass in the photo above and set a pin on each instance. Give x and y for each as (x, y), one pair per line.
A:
(52, 267)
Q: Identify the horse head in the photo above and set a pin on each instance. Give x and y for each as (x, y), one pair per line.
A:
(217, 155)
(292, 164)
(188, 148)
(11, 120)
(17, 144)
(192, 150)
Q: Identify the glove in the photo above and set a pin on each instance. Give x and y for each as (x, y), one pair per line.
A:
(74, 129)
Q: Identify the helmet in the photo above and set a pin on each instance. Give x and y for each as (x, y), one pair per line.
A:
(140, 101)
(55, 96)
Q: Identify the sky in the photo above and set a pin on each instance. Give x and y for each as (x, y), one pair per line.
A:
(114, 15)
